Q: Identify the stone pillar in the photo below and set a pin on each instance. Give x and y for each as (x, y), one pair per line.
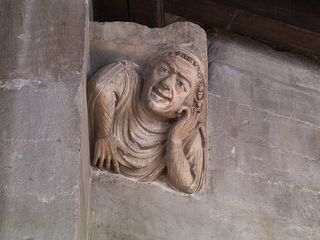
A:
(43, 127)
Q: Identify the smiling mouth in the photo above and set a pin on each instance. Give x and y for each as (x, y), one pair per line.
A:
(158, 96)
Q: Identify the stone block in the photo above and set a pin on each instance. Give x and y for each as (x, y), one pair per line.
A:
(43, 40)
(43, 120)
(260, 143)
(261, 60)
(42, 167)
(265, 93)
(296, 205)
(48, 121)
(264, 158)
(32, 217)
(148, 211)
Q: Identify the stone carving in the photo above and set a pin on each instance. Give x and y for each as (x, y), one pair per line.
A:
(150, 121)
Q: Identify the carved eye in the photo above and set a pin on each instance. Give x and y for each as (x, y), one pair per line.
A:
(164, 69)
(181, 85)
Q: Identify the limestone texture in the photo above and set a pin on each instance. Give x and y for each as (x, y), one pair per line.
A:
(149, 122)
(43, 120)
(264, 145)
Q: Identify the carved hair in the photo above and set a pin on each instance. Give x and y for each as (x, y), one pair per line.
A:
(193, 60)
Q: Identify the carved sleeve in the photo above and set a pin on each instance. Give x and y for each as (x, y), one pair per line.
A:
(103, 114)
(103, 90)
(186, 165)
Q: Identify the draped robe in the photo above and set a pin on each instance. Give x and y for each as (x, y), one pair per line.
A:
(115, 108)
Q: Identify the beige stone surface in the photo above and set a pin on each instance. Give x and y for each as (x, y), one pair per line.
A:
(263, 125)
(44, 170)
(148, 112)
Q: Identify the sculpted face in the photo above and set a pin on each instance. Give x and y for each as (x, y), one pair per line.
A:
(171, 85)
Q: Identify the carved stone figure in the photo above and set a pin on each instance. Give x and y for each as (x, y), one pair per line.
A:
(149, 122)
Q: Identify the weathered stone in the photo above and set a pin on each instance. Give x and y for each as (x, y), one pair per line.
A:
(131, 41)
(148, 211)
(264, 158)
(38, 217)
(257, 142)
(148, 121)
(18, 106)
(43, 122)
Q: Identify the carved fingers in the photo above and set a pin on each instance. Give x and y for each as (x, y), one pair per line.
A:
(105, 153)
(114, 153)
(187, 121)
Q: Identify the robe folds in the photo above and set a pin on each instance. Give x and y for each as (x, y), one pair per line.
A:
(115, 109)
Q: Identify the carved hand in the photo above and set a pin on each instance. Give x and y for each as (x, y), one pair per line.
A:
(181, 129)
(105, 152)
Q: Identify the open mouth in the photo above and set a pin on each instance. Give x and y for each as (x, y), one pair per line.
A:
(158, 96)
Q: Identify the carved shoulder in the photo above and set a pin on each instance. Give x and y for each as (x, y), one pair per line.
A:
(112, 77)
(111, 71)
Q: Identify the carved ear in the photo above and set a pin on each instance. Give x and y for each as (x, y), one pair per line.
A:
(181, 111)
(179, 114)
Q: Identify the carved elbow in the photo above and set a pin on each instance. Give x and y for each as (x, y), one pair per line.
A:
(188, 189)
(184, 185)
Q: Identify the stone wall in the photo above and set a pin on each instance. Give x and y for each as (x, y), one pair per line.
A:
(43, 120)
(264, 125)
(264, 130)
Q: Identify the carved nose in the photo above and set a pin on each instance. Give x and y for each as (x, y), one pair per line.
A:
(167, 83)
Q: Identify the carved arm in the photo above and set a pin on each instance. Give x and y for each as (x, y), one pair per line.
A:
(103, 91)
(185, 164)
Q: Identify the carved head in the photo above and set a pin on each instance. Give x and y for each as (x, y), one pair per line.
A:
(174, 79)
